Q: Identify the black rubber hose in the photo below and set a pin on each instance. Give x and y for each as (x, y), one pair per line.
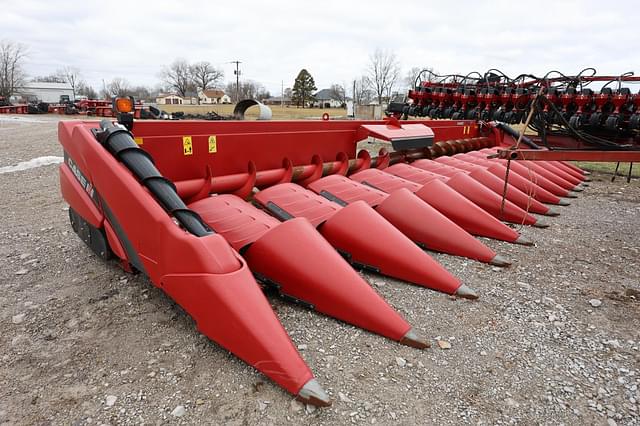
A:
(121, 145)
(515, 134)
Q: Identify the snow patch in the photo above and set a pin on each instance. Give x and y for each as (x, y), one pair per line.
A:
(32, 164)
(11, 119)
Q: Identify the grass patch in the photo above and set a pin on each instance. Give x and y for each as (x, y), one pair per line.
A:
(279, 112)
(609, 168)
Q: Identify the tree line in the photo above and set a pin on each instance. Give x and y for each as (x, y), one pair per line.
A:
(380, 82)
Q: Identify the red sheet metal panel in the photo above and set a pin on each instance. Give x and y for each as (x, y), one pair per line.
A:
(298, 202)
(347, 190)
(237, 221)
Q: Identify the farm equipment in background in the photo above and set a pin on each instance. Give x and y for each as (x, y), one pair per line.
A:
(207, 209)
(576, 121)
(104, 108)
(38, 108)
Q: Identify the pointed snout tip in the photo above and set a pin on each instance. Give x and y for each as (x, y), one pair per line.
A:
(541, 224)
(414, 340)
(500, 260)
(524, 241)
(313, 394)
(466, 292)
(552, 212)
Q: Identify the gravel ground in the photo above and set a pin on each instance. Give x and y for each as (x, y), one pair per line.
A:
(553, 339)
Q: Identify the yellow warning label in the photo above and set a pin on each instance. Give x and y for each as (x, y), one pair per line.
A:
(187, 145)
(138, 140)
(213, 144)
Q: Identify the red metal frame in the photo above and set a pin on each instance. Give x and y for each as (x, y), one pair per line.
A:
(205, 273)
(196, 272)
(569, 155)
(271, 147)
(612, 114)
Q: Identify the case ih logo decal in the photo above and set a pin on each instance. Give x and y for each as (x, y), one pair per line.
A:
(84, 182)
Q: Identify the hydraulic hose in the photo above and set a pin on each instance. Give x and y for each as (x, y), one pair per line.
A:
(515, 134)
(119, 142)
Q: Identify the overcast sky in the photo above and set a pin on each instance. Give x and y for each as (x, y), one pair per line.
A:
(332, 39)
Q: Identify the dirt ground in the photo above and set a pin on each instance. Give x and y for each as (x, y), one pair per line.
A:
(553, 339)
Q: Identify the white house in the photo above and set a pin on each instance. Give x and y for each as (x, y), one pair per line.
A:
(325, 99)
(45, 92)
(169, 99)
(175, 99)
(214, 96)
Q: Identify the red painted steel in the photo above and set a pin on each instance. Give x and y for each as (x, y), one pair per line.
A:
(78, 197)
(555, 167)
(567, 169)
(575, 155)
(293, 256)
(363, 235)
(570, 114)
(266, 144)
(573, 166)
(348, 190)
(527, 173)
(412, 216)
(485, 198)
(497, 185)
(541, 171)
(203, 275)
(559, 172)
(558, 180)
(434, 231)
(208, 277)
(393, 131)
(436, 193)
(528, 186)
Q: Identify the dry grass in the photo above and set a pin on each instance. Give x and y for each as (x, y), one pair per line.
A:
(609, 168)
(279, 113)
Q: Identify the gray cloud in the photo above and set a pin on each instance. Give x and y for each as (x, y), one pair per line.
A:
(332, 39)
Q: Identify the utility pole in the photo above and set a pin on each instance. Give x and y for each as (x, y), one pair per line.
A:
(237, 73)
(354, 99)
(282, 95)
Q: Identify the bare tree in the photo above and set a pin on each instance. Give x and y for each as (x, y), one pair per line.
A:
(248, 90)
(51, 78)
(142, 93)
(205, 76)
(12, 75)
(417, 74)
(410, 79)
(263, 94)
(337, 92)
(86, 90)
(382, 73)
(363, 95)
(72, 76)
(117, 87)
(178, 77)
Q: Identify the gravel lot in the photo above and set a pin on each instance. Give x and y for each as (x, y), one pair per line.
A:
(553, 339)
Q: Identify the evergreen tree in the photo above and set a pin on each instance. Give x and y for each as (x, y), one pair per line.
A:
(303, 88)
